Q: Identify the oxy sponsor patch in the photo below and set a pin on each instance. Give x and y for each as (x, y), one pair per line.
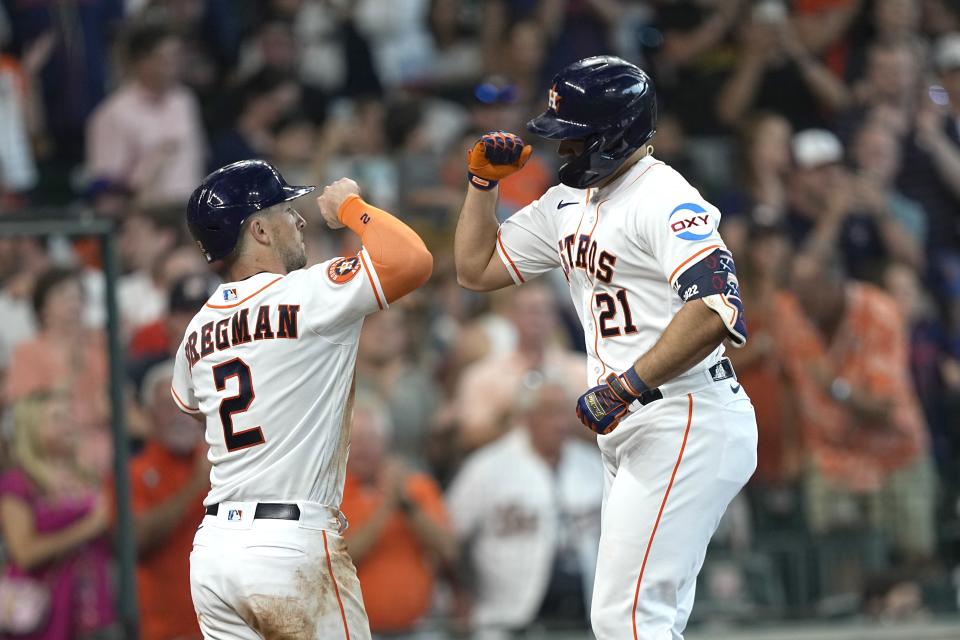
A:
(690, 221)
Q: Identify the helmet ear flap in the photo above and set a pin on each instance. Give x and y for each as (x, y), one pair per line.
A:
(639, 132)
(588, 166)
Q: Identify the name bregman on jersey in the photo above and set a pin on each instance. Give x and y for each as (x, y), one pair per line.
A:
(245, 325)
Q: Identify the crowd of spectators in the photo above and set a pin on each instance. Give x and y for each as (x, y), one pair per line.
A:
(826, 131)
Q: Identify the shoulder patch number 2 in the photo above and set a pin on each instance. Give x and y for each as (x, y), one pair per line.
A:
(343, 270)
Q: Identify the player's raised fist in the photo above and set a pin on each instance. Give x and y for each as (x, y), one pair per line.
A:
(333, 196)
(495, 156)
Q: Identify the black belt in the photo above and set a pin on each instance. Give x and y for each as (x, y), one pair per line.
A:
(264, 511)
(720, 371)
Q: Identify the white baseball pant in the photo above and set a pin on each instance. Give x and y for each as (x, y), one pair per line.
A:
(670, 469)
(259, 578)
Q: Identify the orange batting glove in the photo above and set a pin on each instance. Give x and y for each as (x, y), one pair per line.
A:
(495, 156)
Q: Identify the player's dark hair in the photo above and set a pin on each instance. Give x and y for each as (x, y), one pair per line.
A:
(144, 39)
(45, 285)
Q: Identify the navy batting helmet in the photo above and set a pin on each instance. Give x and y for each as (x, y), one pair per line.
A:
(228, 196)
(610, 104)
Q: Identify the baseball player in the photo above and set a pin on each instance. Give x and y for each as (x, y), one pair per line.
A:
(268, 364)
(656, 291)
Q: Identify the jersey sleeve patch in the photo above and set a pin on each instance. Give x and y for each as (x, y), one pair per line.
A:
(714, 280)
(343, 270)
(691, 221)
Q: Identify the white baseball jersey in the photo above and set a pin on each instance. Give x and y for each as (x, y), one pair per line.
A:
(632, 252)
(270, 361)
(622, 249)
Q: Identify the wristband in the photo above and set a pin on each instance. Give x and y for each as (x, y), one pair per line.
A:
(628, 386)
(481, 183)
(632, 378)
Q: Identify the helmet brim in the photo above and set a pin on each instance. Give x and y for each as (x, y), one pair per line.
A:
(547, 125)
(292, 193)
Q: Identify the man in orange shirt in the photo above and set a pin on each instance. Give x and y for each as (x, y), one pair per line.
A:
(168, 481)
(399, 529)
(844, 345)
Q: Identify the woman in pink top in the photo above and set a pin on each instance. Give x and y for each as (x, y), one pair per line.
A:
(67, 357)
(53, 520)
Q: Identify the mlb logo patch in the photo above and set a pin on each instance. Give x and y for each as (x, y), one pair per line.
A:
(229, 294)
(234, 514)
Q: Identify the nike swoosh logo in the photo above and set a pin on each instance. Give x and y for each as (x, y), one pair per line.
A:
(566, 204)
(735, 388)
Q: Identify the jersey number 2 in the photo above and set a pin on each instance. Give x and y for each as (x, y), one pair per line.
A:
(610, 312)
(239, 403)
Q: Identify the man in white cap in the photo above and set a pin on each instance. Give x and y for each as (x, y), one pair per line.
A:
(826, 209)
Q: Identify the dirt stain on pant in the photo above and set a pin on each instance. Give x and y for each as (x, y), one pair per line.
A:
(348, 586)
(276, 617)
(313, 608)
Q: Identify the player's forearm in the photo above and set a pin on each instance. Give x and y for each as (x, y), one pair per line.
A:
(400, 257)
(475, 240)
(690, 337)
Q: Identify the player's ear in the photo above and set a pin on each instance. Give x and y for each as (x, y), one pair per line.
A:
(259, 230)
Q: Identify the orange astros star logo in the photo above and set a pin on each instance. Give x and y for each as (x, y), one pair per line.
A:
(343, 270)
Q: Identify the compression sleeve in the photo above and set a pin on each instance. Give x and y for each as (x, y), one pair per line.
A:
(399, 256)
